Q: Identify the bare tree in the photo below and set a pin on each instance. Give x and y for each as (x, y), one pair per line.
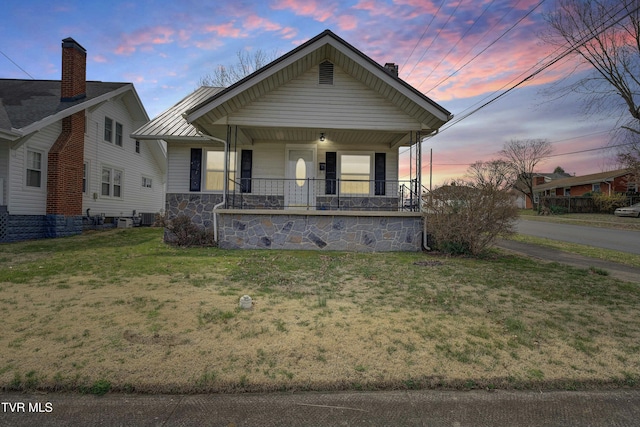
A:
(247, 63)
(522, 157)
(605, 35)
(495, 173)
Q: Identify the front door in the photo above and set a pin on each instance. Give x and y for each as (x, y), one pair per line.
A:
(299, 185)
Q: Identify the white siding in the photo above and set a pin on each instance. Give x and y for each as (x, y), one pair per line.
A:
(99, 153)
(179, 157)
(268, 161)
(347, 104)
(4, 173)
(25, 200)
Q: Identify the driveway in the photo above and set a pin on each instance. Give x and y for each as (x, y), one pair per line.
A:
(620, 240)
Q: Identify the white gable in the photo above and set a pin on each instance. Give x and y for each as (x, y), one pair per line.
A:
(304, 102)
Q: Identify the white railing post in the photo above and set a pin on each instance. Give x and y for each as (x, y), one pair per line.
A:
(1, 191)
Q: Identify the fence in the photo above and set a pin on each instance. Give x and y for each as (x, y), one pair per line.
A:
(565, 204)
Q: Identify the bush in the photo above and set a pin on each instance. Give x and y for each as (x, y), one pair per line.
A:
(608, 203)
(466, 219)
(181, 231)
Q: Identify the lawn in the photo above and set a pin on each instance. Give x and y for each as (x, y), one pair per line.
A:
(122, 311)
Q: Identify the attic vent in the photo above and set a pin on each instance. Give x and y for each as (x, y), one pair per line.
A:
(326, 73)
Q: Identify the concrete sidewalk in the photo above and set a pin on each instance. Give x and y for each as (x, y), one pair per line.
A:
(619, 271)
(392, 408)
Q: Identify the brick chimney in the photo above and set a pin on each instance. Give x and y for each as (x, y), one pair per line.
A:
(66, 156)
(391, 68)
(74, 71)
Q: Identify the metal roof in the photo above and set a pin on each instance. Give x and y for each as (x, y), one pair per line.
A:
(171, 123)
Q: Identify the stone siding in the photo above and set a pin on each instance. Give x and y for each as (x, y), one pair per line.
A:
(320, 232)
(197, 206)
(357, 203)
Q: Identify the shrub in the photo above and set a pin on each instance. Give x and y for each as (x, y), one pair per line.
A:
(608, 203)
(557, 210)
(182, 231)
(466, 219)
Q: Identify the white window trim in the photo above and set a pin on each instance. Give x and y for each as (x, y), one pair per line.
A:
(372, 156)
(146, 177)
(43, 170)
(104, 130)
(204, 172)
(111, 185)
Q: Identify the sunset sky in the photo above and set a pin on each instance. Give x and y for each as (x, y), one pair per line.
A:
(461, 54)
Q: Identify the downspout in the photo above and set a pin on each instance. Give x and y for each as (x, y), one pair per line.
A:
(224, 184)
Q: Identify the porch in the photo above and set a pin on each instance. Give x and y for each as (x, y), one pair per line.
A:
(316, 214)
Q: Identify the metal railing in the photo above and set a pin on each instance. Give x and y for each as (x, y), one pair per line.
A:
(322, 194)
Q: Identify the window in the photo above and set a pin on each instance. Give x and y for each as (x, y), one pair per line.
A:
(146, 182)
(34, 168)
(567, 191)
(108, 129)
(118, 134)
(111, 182)
(137, 146)
(355, 173)
(595, 188)
(214, 173)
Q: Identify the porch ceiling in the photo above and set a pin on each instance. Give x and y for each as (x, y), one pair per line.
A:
(312, 135)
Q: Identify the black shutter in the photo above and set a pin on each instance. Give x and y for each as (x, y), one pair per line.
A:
(330, 173)
(195, 173)
(245, 171)
(380, 173)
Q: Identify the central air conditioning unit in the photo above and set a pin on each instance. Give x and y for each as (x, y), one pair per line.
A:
(125, 223)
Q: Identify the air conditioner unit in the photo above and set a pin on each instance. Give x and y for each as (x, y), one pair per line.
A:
(125, 223)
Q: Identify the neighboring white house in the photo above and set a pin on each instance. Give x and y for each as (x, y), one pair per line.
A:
(66, 157)
(303, 153)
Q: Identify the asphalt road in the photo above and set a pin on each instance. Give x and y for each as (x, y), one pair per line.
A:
(620, 240)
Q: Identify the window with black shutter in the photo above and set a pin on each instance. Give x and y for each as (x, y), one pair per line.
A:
(245, 171)
(195, 171)
(380, 173)
(330, 172)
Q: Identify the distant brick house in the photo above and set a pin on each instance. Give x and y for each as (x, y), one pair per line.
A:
(611, 182)
(66, 154)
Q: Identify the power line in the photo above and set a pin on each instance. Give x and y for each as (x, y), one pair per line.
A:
(483, 50)
(14, 63)
(460, 39)
(435, 38)
(423, 34)
(566, 53)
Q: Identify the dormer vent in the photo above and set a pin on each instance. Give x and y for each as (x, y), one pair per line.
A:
(325, 76)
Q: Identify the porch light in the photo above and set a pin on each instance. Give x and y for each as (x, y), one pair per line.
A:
(321, 136)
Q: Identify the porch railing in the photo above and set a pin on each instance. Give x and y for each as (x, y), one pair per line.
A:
(322, 194)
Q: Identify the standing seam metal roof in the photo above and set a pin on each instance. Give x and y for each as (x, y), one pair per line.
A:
(171, 123)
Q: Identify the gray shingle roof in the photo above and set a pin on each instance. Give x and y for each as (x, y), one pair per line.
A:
(24, 102)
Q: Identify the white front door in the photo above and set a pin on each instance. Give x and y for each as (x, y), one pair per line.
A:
(299, 185)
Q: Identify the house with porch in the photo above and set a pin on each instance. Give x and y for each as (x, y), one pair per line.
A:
(66, 158)
(301, 154)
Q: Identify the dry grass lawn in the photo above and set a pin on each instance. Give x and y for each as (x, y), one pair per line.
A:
(121, 311)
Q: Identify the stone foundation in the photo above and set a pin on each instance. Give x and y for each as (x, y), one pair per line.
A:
(350, 231)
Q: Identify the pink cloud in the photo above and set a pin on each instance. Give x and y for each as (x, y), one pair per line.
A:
(99, 58)
(255, 22)
(347, 22)
(224, 30)
(146, 38)
(318, 10)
